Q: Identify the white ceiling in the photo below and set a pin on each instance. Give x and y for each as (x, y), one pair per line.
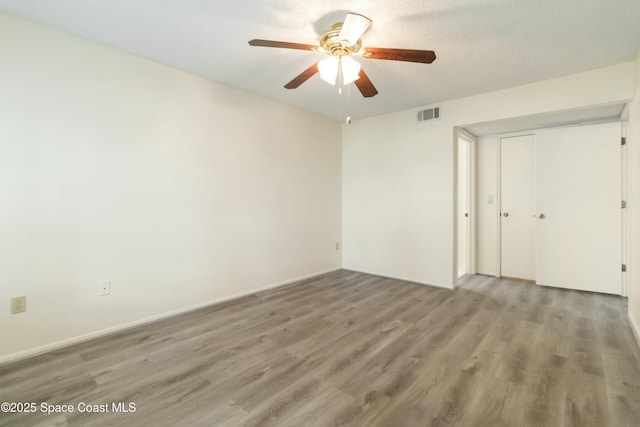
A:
(481, 45)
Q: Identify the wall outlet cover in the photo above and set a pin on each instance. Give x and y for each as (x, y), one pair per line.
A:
(105, 288)
(18, 305)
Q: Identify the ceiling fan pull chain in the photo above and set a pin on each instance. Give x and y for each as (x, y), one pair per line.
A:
(348, 119)
(340, 76)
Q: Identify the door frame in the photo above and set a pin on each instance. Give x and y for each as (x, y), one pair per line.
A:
(624, 155)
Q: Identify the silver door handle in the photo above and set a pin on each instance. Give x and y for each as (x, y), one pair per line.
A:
(541, 216)
(506, 214)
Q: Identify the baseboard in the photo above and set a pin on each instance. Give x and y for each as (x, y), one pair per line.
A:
(36, 351)
(404, 279)
(634, 329)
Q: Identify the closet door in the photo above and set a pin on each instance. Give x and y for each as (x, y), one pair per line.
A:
(517, 207)
(578, 197)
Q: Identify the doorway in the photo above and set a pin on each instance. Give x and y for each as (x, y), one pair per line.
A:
(560, 220)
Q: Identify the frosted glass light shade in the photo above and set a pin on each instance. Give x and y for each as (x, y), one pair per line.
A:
(350, 70)
(329, 67)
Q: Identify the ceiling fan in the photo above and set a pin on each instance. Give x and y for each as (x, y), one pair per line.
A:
(341, 42)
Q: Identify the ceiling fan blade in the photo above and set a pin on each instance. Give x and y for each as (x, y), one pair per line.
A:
(302, 77)
(366, 88)
(354, 27)
(285, 45)
(409, 55)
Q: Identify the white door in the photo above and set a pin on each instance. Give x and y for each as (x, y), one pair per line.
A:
(578, 179)
(517, 206)
(463, 207)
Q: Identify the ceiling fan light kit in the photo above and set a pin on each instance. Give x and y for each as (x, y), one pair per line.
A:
(341, 42)
(341, 70)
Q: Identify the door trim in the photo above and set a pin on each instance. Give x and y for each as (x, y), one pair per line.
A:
(623, 196)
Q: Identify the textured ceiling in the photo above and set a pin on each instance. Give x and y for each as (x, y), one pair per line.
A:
(481, 45)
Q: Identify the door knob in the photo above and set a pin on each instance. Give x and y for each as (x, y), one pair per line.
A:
(541, 216)
(506, 214)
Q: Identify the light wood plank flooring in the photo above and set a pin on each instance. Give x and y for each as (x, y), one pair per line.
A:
(351, 349)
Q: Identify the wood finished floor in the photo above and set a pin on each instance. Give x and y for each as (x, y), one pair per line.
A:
(351, 349)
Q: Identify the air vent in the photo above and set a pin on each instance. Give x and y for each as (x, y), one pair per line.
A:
(430, 114)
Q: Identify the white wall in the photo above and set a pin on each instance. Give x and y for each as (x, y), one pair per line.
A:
(633, 205)
(178, 190)
(398, 176)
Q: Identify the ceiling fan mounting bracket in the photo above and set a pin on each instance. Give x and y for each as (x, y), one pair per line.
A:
(333, 45)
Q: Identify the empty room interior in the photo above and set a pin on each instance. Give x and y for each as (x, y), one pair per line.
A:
(340, 213)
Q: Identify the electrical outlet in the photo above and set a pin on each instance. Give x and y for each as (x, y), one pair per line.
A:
(105, 288)
(18, 305)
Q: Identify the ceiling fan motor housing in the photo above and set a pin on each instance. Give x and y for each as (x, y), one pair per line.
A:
(335, 46)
